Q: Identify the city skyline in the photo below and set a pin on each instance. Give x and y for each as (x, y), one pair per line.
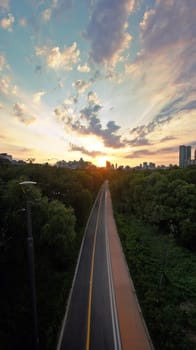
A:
(99, 80)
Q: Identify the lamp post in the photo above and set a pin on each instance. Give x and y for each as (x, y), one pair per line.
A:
(26, 187)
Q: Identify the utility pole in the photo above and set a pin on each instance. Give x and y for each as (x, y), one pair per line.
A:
(31, 264)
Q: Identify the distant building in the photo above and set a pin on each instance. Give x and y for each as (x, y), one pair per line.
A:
(152, 165)
(147, 165)
(74, 164)
(6, 156)
(193, 161)
(108, 165)
(184, 156)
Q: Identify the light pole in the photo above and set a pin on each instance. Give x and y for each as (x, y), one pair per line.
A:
(26, 187)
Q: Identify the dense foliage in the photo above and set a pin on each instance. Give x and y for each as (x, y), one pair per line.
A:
(155, 213)
(166, 199)
(60, 203)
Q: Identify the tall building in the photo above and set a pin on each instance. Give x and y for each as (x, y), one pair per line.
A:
(108, 165)
(184, 156)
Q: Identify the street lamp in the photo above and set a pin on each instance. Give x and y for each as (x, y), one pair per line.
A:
(26, 188)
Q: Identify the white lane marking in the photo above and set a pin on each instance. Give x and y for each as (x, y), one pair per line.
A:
(115, 325)
(91, 279)
(74, 278)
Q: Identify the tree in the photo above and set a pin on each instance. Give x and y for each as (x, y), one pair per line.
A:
(58, 233)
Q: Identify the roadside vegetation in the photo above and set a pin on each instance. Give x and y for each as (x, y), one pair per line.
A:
(61, 202)
(155, 214)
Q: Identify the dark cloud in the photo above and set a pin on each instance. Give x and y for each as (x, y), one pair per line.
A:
(85, 151)
(89, 123)
(90, 111)
(140, 153)
(146, 152)
(139, 133)
(168, 41)
(166, 114)
(167, 138)
(168, 149)
(169, 31)
(173, 107)
(171, 22)
(138, 141)
(106, 29)
(190, 105)
(108, 135)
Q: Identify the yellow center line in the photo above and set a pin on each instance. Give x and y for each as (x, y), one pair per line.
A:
(91, 282)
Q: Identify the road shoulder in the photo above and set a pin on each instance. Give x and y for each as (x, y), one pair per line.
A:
(133, 330)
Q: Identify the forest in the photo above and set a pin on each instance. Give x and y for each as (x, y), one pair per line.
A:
(60, 203)
(155, 213)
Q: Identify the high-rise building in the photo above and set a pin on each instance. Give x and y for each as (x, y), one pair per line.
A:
(184, 156)
(108, 165)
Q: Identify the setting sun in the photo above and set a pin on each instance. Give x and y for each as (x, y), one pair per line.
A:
(101, 161)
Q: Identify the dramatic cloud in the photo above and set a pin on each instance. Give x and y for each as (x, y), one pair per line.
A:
(107, 30)
(88, 122)
(153, 152)
(60, 60)
(140, 153)
(6, 23)
(93, 126)
(141, 132)
(85, 151)
(167, 138)
(169, 31)
(138, 141)
(21, 112)
(81, 85)
(170, 22)
(167, 58)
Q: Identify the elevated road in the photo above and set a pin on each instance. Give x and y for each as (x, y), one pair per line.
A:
(96, 314)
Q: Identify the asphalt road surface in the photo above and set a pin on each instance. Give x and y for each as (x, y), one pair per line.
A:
(103, 312)
(91, 321)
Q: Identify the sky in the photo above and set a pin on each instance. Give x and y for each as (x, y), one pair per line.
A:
(97, 79)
